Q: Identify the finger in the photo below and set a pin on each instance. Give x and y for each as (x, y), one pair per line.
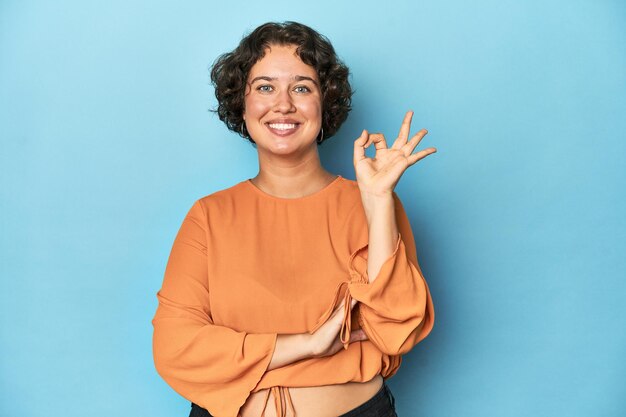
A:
(359, 146)
(415, 140)
(357, 335)
(420, 155)
(378, 139)
(405, 128)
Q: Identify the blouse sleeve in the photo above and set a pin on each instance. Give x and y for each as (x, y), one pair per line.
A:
(213, 366)
(396, 310)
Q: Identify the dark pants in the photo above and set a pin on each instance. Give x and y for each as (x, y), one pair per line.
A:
(382, 404)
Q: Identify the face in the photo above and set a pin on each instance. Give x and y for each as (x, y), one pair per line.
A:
(283, 105)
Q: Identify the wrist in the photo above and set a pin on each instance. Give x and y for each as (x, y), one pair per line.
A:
(290, 348)
(308, 344)
(377, 206)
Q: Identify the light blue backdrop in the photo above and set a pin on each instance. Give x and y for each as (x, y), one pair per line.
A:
(519, 217)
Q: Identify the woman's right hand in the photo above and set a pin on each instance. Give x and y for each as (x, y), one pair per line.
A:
(325, 341)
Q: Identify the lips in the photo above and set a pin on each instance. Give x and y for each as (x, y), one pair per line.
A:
(283, 127)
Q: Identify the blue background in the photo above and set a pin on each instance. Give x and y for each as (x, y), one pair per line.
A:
(519, 217)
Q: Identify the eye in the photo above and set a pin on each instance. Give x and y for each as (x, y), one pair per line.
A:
(264, 88)
(302, 89)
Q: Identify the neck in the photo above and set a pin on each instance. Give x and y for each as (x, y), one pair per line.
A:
(291, 178)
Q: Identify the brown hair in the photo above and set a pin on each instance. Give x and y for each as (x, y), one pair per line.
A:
(229, 73)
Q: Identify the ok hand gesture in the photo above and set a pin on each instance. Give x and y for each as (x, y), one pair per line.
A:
(379, 175)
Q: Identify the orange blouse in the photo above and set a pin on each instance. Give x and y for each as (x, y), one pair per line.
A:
(246, 266)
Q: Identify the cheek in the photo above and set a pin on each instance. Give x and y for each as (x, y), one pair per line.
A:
(312, 108)
(254, 107)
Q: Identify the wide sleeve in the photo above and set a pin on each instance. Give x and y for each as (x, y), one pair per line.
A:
(396, 310)
(213, 366)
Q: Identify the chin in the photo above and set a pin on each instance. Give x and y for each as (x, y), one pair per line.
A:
(287, 147)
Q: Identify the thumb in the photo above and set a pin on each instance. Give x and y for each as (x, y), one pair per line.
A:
(359, 146)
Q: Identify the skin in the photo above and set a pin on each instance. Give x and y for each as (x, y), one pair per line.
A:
(377, 177)
(283, 90)
(282, 87)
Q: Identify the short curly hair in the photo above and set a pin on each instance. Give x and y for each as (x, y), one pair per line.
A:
(229, 74)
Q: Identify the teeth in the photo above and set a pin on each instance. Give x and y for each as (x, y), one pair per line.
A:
(282, 126)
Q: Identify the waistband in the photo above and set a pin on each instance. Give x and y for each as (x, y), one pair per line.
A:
(382, 401)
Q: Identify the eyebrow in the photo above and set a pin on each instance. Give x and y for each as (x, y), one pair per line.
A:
(297, 78)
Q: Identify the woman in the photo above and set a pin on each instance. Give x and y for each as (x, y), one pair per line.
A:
(297, 284)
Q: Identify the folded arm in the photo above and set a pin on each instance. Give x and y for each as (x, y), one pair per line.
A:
(216, 366)
(211, 365)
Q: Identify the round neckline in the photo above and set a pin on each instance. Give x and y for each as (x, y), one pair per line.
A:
(318, 192)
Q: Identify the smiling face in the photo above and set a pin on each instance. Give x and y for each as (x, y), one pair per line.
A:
(283, 102)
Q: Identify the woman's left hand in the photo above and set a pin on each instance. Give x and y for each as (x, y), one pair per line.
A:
(378, 176)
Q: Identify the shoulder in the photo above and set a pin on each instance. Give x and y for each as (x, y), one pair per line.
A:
(217, 200)
(221, 197)
(348, 189)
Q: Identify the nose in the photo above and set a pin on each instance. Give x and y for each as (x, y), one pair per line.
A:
(284, 102)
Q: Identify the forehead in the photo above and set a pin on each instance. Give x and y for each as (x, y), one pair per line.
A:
(281, 61)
